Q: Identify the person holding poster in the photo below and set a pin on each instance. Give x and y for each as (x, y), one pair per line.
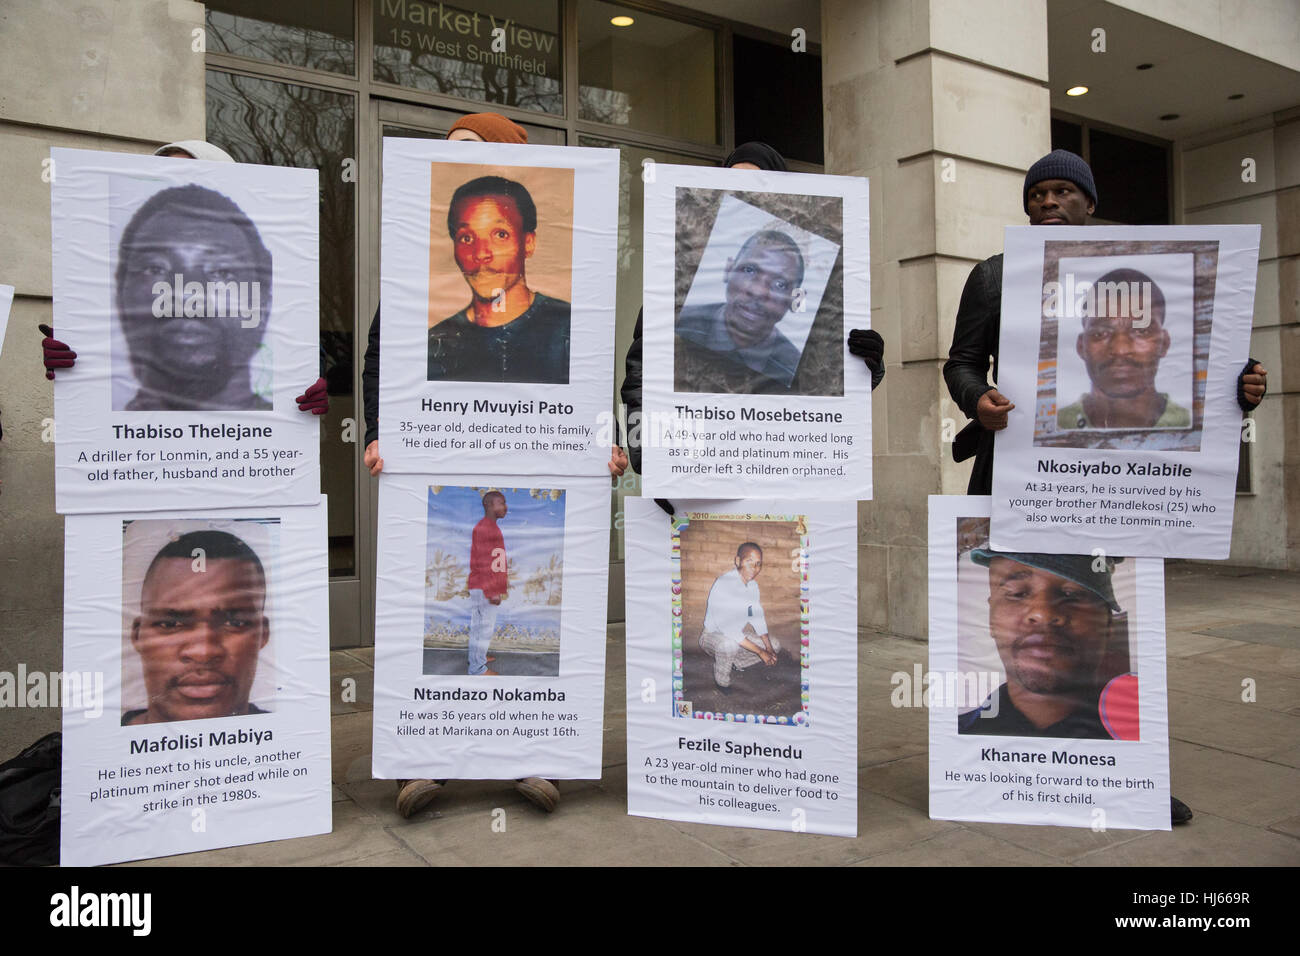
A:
(414, 795)
(508, 332)
(199, 632)
(1058, 191)
(186, 365)
(1051, 617)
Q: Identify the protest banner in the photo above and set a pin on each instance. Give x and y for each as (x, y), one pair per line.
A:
(742, 664)
(1121, 348)
(1046, 686)
(205, 723)
(498, 307)
(752, 283)
(490, 627)
(189, 291)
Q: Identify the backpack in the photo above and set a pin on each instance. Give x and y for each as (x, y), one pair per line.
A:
(29, 804)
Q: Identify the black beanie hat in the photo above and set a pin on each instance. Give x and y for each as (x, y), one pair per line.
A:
(760, 154)
(1061, 164)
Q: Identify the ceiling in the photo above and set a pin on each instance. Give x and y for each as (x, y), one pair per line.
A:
(1190, 75)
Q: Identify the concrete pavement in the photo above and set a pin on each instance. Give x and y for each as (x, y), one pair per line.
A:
(1236, 764)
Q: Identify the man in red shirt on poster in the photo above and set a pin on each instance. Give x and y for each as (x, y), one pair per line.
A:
(488, 580)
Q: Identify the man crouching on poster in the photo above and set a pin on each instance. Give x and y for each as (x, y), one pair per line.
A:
(1052, 617)
(735, 630)
(200, 630)
(488, 581)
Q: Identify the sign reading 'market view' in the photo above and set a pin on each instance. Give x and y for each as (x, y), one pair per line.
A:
(432, 30)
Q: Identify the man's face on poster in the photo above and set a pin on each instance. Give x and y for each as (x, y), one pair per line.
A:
(192, 354)
(491, 245)
(750, 564)
(1050, 632)
(198, 636)
(760, 281)
(1122, 354)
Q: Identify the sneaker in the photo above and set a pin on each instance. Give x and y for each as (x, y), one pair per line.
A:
(1179, 812)
(540, 792)
(414, 795)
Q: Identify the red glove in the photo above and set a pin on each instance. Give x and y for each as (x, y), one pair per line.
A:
(57, 355)
(314, 400)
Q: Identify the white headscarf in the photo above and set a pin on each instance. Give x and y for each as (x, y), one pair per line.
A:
(199, 149)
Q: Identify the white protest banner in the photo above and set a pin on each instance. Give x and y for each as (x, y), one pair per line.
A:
(742, 664)
(752, 283)
(6, 300)
(498, 307)
(205, 637)
(189, 291)
(490, 627)
(1121, 348)
(1046, 687)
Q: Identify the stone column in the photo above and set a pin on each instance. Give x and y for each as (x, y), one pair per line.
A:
(96, 74)
(944, 106)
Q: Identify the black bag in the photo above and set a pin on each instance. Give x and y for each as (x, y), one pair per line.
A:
(29, 804)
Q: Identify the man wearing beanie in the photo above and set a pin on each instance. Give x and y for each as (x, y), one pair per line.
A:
(1059, 191)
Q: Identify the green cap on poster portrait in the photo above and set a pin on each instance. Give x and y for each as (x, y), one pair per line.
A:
(1079, 568)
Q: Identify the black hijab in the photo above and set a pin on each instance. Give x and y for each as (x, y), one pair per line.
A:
(760, 154)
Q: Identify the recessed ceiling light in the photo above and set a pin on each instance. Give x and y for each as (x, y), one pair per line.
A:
(1236, 96)
(1145, 66)
(1169, 116)
(622, 21)
(1076, 91)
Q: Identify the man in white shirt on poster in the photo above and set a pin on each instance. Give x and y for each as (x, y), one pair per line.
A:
(735, 630)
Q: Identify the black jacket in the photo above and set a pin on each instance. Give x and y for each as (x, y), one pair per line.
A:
(370, 382)
(974, 342)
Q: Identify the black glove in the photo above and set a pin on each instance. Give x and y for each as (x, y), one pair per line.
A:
(666, 505)
(1242, 401)
(867, 345)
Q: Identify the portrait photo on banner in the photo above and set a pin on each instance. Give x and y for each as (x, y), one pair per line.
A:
(1124, 344)
(759, 293)
(198, 615)
(500, 273)
(1050, 640)
(740, 598)
(493, 581)
(191, 299)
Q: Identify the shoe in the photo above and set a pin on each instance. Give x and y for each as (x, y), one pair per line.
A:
(490, 659)
(414, 795)
(725, 691)
(540, 792)
(1179, 812)
(491, 673)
